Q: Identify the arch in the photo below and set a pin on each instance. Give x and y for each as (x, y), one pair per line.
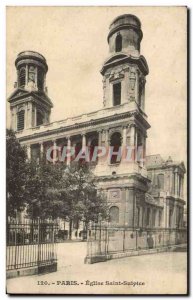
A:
(115, 143)
(20, 119)
(22, 74)
(118, 43)
(114, 214)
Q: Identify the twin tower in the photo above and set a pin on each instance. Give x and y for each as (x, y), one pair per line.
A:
(123, 74)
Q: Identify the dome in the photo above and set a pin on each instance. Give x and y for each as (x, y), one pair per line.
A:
(123, 22)
(29, 56)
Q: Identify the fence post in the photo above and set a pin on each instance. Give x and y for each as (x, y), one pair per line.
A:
(15, 245)
(106, 240)
(39, 249)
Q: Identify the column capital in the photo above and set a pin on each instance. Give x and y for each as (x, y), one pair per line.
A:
(99, 131)
(106, 130)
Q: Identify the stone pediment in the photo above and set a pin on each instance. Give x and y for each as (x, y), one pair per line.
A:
(121, 58)
(19, 94)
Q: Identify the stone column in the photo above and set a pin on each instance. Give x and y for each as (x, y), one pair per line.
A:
(99, 138)
(124, 142)
(131, 207)
(126, 207)
(68, 151)
(26, 75)
(143, 95)
(176, 183)
(133, 141)
(107, 140)
(36, 77)
(54, 151)
(41, 150)
(182, 187)
(137, 87)
(29, 152)
(83, 142)
(26, 117)
(144, 149)
(35, 116)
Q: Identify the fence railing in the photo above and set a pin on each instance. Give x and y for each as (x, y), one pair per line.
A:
(31, 243)
(104, 240)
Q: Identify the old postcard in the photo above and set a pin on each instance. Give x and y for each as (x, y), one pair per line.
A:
(96, 150)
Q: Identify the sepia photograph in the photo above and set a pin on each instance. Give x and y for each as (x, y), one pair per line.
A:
(96, 150)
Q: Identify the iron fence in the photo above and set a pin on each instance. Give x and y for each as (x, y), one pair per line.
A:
(104, 240)
(31, 243)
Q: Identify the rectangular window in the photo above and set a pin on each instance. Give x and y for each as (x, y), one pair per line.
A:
(117, 94)
(20, 120)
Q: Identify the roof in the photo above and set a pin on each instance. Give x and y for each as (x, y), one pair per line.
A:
(155, 161)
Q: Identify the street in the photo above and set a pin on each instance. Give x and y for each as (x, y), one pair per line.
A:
(145, 274)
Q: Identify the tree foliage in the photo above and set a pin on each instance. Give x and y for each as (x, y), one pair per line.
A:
(66, 192)
(16, 173)
(51, 191)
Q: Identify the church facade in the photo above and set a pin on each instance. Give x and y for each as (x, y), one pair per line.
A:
(142, 191)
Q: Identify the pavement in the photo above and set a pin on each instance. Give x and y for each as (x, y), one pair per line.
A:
(162, 273)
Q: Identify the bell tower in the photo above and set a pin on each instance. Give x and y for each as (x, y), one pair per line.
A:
(125, 69)
(29, 104)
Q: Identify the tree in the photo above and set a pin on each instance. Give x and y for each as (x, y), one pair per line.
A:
(16, 173)
(82, 199)
(67, 192)
(43, 188)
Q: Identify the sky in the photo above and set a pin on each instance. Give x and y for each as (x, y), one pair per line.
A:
(74, 43)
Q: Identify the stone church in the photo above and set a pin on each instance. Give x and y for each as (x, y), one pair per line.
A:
(145, 192)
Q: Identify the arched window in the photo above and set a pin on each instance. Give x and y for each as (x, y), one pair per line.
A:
(22, 77)
(115, 144)
(160, 180)
(32, 74)
(114, 214)
(40, 118)
(117, 93)
(20, 120)
(40, 79)
(118, 43)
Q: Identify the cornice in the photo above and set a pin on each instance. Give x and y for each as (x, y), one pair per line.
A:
(113, 61)
(86, 124)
